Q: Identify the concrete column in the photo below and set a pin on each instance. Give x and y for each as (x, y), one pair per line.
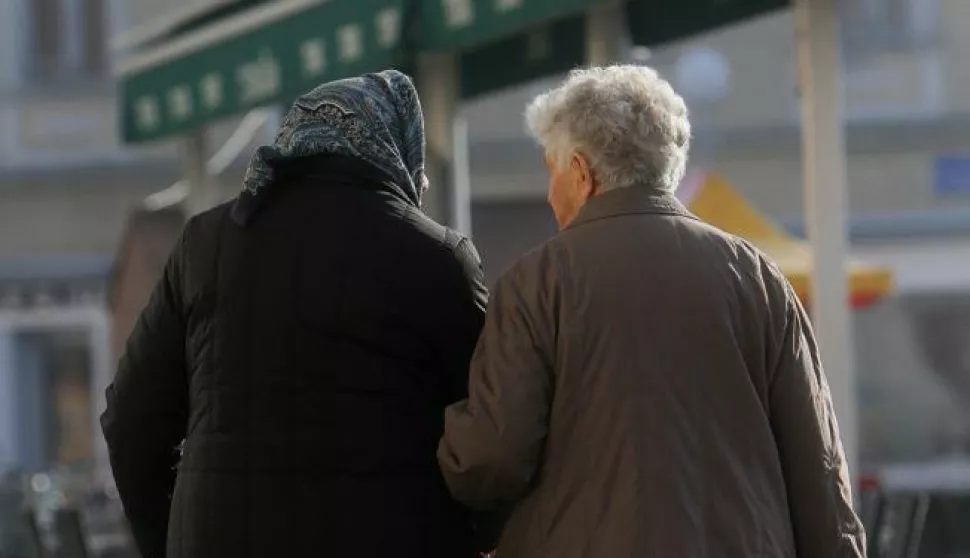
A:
(819, 51)
(461, 198)
(438, 84)
(195, 159)
(607, 34)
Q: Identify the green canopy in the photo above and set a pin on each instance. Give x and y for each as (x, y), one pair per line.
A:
(250, 53)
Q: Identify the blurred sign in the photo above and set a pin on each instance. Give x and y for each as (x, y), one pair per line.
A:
(653, 22)
(548, 50)
(265, 56)
(951, 175)
(458, 24)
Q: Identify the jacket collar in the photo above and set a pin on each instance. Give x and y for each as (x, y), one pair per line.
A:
(631, 200)
(325, 170)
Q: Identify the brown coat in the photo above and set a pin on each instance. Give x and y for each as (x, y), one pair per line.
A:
(649, 386)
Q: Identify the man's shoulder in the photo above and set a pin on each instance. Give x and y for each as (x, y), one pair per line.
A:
(761, 271)
(536, 266)
(771, 272)
(694, 238)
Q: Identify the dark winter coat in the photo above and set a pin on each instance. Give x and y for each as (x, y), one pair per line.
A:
(304, 343)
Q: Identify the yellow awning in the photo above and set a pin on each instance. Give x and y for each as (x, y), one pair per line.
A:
(712, 199)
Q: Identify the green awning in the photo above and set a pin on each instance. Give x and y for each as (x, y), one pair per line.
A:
(459, 24)
(654, 22)
(264, 55)
(250, 53)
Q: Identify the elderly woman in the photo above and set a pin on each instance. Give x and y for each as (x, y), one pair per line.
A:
(645, 385)
(304, 342)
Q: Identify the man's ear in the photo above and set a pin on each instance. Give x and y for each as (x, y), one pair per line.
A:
(583, 174)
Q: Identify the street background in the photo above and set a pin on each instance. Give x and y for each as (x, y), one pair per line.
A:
(119, 117)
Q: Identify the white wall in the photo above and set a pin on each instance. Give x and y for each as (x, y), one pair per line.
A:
(923, 267)
(957, 41)
(886, 182)
(908, 411)
(878, 183)
(134, 13)
(38, 220)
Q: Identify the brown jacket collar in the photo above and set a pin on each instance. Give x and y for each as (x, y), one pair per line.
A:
(630, 201)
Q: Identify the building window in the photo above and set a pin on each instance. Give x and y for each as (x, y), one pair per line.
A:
(67, 39)
(46, 35)
(879, 26)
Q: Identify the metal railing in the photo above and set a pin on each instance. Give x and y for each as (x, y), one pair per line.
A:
(61, 514)
(917, 524)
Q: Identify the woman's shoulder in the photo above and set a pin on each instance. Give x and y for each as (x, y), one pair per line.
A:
(208, 220)
(441, 235)
(202, 233)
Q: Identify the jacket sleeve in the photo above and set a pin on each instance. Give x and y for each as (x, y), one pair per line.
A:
(807, 434)
(467, 320)
(463, 336)
(490, 450)
(147, 410)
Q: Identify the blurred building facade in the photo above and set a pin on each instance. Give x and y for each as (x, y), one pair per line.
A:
(68, 188)
(66, 185)
(908, 143)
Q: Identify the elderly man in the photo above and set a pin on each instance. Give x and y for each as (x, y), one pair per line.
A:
(645, 385)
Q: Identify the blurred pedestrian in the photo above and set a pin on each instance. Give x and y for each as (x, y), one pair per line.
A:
(304, 341)
(645, 384)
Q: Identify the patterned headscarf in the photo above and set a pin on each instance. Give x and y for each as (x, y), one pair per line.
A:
(375, 118)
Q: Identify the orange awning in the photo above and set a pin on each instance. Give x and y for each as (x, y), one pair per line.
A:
(712, 199)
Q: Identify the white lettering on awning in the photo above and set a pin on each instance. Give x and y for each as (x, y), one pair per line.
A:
(180, 102)
(260, 79)
(313, 56)
(350, 43)
(508, 5)
(212, 91)
(147, 115)
(388, 27)
(458, 13)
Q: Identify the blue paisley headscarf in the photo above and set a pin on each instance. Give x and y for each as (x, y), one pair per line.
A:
(375, 118)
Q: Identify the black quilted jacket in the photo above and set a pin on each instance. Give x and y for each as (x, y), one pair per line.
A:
(305, 361)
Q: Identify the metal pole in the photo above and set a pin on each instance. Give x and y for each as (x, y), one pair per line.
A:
(195, 155)
(823, 150)
(99, 341)
(438, 83)
(461, 200)
(607, 34)
(8, 398)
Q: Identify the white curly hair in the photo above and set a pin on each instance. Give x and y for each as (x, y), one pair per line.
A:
(626, 120)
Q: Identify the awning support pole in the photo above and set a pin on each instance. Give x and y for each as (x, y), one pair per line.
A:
(819, 52)
(461, 199)
(438, 82)
(607, 34)
(195, 155)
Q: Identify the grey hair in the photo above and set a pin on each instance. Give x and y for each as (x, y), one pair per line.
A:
(626, 120)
